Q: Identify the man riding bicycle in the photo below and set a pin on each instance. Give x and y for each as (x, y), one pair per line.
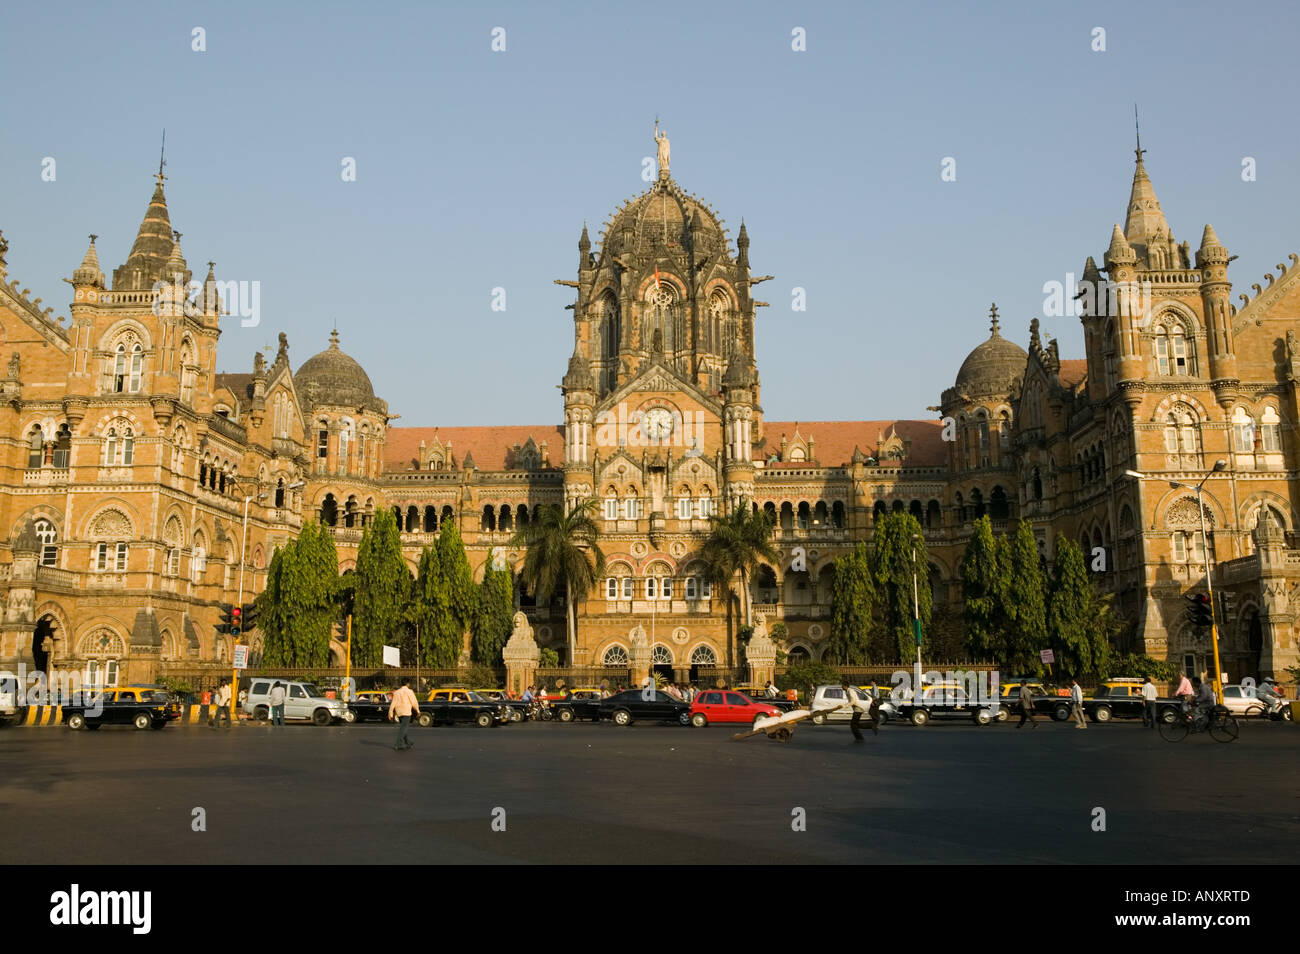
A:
(1203, 701)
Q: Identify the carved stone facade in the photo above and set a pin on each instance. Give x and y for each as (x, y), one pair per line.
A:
(127, 459)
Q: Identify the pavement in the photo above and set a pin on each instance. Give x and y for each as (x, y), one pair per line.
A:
(583, 793)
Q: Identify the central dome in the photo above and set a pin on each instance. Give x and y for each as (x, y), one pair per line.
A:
(663, 216)
(994, 365)
(334, 377)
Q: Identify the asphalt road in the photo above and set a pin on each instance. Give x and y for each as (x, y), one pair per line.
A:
(953, 793)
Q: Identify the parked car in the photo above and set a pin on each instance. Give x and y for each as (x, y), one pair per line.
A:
(725, 705)
(143, 708)
(302, 701)
(1122, 699)
(370, 705)
(581, 704)
(1244, 701)
(624, 708)
(786, 699)
(518, 708)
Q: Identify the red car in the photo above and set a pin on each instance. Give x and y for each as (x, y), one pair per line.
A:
(727, 705)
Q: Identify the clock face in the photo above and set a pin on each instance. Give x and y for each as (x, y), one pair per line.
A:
(658, 423)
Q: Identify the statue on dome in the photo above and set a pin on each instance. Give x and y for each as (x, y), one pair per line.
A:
(661, 139)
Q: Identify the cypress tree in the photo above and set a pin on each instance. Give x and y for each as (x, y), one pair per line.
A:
(494, 616)
(852, 595)
(898, 554)
(1025, 602)
(458, 598)
(427, 601)
(984, 584)
(382, 589)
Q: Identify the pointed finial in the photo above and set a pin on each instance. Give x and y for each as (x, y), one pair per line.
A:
(162, 160)
(334, 338)
(92, 238)
(1137, 129)
(993, 315)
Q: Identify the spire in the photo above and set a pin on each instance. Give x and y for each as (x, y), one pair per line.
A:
(1145, 220)
(994, 327)
(211, 300)
(1211, 250)
(176, 262)
(152, 246)
(1120, 252)
(334, 340)
(89, 273)
(742, 244)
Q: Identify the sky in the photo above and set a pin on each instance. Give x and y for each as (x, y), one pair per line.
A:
(476, 169)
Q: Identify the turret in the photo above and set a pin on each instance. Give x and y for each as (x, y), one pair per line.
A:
(1212, 260)
(1121, 263)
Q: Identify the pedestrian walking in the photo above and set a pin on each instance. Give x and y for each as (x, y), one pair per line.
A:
(277, 704)
(858, 708)
(223, 705)
(1148, 703)
(403, 706)
(1026, 706)
(1076, 709)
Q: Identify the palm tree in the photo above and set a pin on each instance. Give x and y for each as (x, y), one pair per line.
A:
(562, 547)
(737, 542)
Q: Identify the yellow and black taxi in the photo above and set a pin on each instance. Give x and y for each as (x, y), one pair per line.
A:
(370, 705)
(518, 708)
(785, 699)
(144, 707)
(1121, 698)
(457, 706)
(579, 704)
(1047, 701)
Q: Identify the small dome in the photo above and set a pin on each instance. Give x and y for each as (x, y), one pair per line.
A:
(333, 377)
(993, 366)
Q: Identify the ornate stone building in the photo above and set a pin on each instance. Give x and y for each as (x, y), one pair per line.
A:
(127, 462)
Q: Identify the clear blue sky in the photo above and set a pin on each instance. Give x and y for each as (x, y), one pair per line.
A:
(477, 169)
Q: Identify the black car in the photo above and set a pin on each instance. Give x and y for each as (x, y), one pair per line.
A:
(472, 708)
(646, 704)
(946, 703)
(143, 709)
(368, 707)
(1123, 700)
(578, 707)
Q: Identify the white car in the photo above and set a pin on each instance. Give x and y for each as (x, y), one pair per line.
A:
(302, 700)
(1244, 701)
(827, 699)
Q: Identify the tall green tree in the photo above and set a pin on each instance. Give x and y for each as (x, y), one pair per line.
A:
(494, 616)
(563, 550)
(902, 580)
(853, 592)
(1025, 601)
(1068, 602)
(382, 590)
(462, 595)
(296, 611)
(737, 542)
(428, 601)
(984, 585)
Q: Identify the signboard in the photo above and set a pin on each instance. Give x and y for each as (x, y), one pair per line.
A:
(1047, 656)
(392, 656)
(241, 657)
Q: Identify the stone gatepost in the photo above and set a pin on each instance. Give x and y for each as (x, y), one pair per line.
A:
(640, 656)
(521, 656)
(1275, 614)
(21, 597)
(760, 654)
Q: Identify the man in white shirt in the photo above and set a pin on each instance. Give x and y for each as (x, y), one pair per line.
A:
(223, 705)
(1076, 710)
(277, 704)
(1148, 703)
(403, 706)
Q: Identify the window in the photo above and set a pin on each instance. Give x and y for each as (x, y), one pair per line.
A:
(199, 564)
(137, 367)
(63, 447)
(344, 439)
(1174, 350)
(633, 508)
(615, 656)
(128, 448)
(692, 588)
(119, 370)
(627, 587)
(683, 508)
(611, 588)
(611, 508)
(651, 588)
(174, 561)
(1243, 432)
(46, 533)
(322, 443)
(110, 447)
(1270, 429)
(666, 588)
(36, 448)
(279, 493)
(1180, 547)
(706, 506)
(110, 556)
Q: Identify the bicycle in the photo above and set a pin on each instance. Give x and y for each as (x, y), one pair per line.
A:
(1220, 724)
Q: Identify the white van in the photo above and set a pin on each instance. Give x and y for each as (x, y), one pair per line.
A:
(302, 701)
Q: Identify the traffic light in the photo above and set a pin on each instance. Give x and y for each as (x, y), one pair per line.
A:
(227, 619)
(1199, 609)
(236, 621)
(250, 616)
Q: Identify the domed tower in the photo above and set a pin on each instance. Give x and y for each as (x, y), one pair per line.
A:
(664, 285)
(981, 404)
(347, 427)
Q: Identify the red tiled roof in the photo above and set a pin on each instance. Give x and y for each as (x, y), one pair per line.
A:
(489, 445)
(833, 441)
(1073, 372)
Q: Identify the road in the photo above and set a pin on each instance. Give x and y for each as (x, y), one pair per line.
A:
(953, 793)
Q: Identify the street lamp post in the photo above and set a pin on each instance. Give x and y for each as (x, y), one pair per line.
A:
(916, 616)
(1219, 465)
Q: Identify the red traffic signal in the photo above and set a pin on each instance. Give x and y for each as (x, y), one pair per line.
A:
(236, 623)
(1199, 610)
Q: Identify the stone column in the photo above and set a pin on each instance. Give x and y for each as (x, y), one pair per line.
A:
(640, 655)
(21, 598)
(521, 656)
(1275, 614)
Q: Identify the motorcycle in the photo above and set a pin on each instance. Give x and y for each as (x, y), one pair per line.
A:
(1276, 708)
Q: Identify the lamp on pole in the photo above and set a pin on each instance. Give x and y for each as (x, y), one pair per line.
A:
(1219, 465)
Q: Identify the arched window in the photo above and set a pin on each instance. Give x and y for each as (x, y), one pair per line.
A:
(999, 509)
(611, 505)
(137, 367)
(128, 447)
(48, 536)
(279, 493)
(632, 505)
(1270, 431)
(615, 656)
(345, 437)
(350, 512)
(102, 650)
(110, 447)
(199, 559)
(119, 369)
(329, 511)
(488, 522)
(661, 655)
(1243, 431)
(1175, 350)
(36, 447)
(1181, 431)
(63, 446)
(704, 656)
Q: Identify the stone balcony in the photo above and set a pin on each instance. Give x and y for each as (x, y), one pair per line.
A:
(45, 476)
